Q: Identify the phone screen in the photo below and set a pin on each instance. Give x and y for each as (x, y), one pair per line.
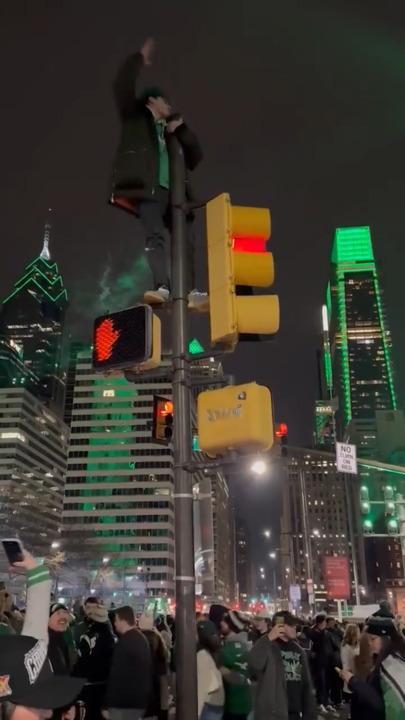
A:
(280, 621)
(13, 550)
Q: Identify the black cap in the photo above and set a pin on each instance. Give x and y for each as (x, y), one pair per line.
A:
(26, 677)
(384, 627)
(287, 618)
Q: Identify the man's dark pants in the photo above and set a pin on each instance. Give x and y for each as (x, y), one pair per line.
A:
(155, 217)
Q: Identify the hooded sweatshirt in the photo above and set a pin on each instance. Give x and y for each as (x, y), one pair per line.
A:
(238, 697)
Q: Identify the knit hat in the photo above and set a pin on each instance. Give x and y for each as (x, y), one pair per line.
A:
(381, 626)
(97, 613)
(145, 622)
(235, 621)
(57, 606)
(26, 677)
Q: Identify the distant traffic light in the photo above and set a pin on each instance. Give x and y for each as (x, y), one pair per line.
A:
(162, 428)
(238, 262)
(127, 339)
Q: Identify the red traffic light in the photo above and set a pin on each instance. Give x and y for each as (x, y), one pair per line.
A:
(162, 428)
(123, 339)
(281, 430)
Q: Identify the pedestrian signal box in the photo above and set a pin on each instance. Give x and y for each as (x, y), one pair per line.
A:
(162, 429)
(237, 263)
(128, 339)
(238, 417)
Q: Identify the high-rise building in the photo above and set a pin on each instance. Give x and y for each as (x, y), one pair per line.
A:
(315, 521)
(119, 484)
(244, 562)
(32, 316)
(359, 338)
(33, 451)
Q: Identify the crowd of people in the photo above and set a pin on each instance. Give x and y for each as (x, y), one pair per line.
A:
(98, 664)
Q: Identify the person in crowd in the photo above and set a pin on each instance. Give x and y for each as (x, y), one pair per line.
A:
(141, 178)
(28, 688)
(81, 627)
(348, 652)
(279, 666)
(384, 610)
(158, 702)
(211, 695)
(162, 627)
(11, 620)
(233, 662)
(323, 654)
(382, 695)
(130, 680)
(333, 681)
(58, 649)
(94, 651)
(363, 661)
(261, 625)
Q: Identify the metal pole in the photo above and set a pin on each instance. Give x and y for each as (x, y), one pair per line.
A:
(352, 539)
(186, 667)
(305, 530)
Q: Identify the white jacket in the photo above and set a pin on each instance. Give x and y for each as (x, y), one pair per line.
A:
(209, 679)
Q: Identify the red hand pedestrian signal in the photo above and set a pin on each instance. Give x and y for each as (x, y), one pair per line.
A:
(105, 338)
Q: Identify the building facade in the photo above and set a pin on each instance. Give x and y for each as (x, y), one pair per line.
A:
(32, 316)
(359, 338)
(33, 453)
(244, 563)
(315, 522)
(119, 484)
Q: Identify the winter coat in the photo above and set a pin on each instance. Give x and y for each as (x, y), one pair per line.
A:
(234, 654)
(267, 669)
(210, 683)
(136, 167)
(367, 698)
(95, 652)
(131, 659)
(58, 653)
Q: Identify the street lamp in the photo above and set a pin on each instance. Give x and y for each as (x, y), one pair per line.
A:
(316, 533)
(106, 560)
(273, 555)
(259, 467)
(55, 545)
(267, 534)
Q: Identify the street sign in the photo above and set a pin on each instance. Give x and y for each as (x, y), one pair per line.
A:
(346, 458)
(337, 577)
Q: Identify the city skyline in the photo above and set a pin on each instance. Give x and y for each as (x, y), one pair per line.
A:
(320, 159)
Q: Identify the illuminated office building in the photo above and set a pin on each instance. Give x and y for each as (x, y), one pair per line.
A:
(32, 316)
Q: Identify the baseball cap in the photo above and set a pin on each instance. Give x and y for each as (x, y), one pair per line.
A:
(384, 627)
(55, 607)
(26, 677)
(262, 615)
(287, 617)
(206, 628)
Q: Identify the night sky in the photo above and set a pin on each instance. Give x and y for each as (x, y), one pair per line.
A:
(299, 106)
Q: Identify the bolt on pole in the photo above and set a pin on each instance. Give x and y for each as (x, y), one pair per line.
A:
(186, 661)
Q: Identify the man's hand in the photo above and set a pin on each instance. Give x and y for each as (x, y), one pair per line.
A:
(172, 125)
(147, 50)
(28, 563)
(276, 632)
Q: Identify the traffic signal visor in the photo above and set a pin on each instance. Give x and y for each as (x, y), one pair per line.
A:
(237, 256)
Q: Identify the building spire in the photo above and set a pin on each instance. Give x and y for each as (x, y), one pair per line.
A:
(45, 254)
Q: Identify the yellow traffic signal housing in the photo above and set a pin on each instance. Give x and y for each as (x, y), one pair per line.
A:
(237, 417)
(236, 238)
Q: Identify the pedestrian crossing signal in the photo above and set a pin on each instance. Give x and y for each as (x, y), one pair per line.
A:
(162, 430)
(126, 340)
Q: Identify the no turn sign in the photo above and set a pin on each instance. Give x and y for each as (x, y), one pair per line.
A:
(346, 458)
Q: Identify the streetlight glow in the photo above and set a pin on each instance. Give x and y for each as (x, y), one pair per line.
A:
(267, 534)
(55, 545)
(259, 467)
(273, 555)
(106, 560)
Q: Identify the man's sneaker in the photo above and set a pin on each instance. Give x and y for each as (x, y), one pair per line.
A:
(332, 711)
(157, 297)
(322, 710)
(198, 301)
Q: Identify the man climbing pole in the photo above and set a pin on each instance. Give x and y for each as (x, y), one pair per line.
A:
(141, 178)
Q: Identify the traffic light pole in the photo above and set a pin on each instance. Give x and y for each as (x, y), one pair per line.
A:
(186, 668)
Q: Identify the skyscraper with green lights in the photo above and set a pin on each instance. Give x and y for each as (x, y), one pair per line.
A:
(32, 316)
(360, 365)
